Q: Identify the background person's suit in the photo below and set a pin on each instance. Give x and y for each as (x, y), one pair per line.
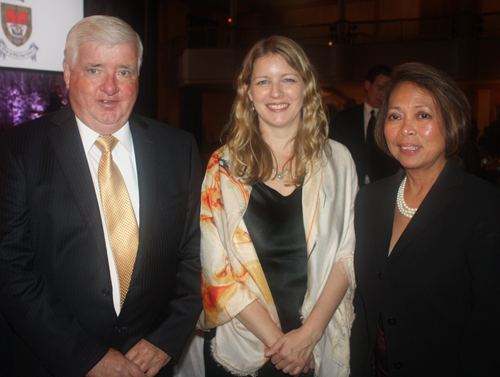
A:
(438, 290)
(54, 275)
(348, 128)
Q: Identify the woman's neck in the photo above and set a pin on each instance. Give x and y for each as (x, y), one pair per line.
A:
(282, 148)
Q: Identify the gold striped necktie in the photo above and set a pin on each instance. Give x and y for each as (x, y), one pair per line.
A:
(121, 222)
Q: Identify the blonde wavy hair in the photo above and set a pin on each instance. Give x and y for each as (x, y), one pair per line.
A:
(252, 158)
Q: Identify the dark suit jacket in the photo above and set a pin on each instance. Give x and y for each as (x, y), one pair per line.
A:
(54, 275)
(348, 129)
(438, 293)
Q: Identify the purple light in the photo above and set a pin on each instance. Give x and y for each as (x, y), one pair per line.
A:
(25, 95)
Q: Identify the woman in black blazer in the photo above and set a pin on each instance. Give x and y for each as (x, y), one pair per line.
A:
(428, 247)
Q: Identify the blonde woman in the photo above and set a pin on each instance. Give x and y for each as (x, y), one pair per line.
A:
(277, 227)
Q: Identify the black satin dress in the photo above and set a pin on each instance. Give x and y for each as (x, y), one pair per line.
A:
(276, 226)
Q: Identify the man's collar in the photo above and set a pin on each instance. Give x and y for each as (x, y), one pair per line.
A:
(368, 109)
(89, 136)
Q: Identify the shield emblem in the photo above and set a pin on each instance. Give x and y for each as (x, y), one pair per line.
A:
(16, 23)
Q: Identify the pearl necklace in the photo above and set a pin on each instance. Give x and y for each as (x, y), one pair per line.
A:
(402, 206)
(280, 175)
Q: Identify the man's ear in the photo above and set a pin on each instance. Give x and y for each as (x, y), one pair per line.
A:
(367, 84)
(67, 72)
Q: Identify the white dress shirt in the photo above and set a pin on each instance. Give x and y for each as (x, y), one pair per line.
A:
(124, 157)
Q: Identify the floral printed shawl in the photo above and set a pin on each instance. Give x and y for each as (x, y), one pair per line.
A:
(233, 278)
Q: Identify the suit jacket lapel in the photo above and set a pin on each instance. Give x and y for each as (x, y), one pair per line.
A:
(383, 217)
(146, 177)
(68, 147)
(434, 203)
(360, 122)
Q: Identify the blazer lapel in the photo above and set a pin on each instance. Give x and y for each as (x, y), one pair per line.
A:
(383, 217)
(434, 203)
(68, 147)
(360, 124)
(146, 177)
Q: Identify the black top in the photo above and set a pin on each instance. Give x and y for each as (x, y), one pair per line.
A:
(276, 226)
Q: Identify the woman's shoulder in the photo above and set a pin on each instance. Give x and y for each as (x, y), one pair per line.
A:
(339, 148)
(220, 165)
(380, 188)
(480, 191)
(219, 153)
(468, 187)
(215, 162)
(478, 183)
(220, 157)
(338, 154)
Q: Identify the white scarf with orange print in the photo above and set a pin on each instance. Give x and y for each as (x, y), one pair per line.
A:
(232, 275)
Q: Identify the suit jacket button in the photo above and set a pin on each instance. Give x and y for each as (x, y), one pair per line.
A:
(117, 330)
(398, 365)
(106, 293)
(392, 321)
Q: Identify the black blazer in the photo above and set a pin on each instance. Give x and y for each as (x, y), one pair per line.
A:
(54, 275)
(348, 128)
(438, 293)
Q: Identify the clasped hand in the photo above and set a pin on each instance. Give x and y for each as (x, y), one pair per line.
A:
(143, 359)
(293, 352)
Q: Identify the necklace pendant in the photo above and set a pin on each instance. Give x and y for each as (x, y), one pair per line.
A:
(278, 175)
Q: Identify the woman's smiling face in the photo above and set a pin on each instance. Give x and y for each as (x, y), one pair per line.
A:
(277, 92)
(414, 128)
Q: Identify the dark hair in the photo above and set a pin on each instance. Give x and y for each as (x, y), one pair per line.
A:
(453, 106)
(378, 70)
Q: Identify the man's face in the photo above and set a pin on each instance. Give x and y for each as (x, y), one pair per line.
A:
(375, 90)
(103, 85)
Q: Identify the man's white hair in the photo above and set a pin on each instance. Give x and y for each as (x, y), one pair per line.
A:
(108, 30)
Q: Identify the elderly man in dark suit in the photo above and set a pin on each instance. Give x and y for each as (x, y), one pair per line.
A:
(354, 127)
(99, 235)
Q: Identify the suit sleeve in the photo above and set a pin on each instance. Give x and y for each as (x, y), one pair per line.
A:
(185, 306)
(26, 300)
(479, 348)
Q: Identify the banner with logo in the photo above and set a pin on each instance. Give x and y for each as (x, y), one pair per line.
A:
(34, 32)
